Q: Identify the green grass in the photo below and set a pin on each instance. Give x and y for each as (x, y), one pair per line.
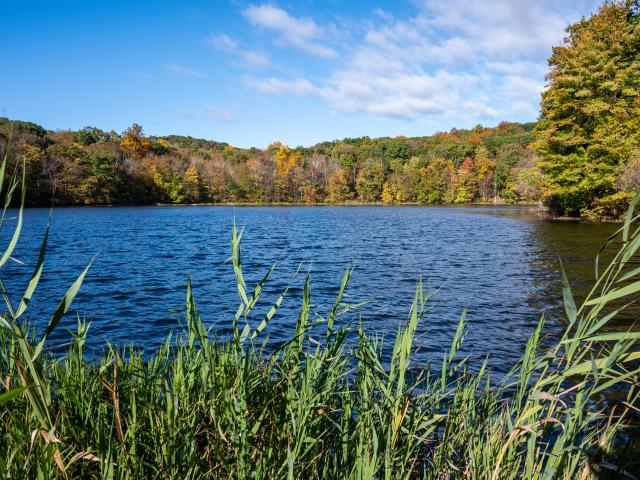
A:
(320, 406)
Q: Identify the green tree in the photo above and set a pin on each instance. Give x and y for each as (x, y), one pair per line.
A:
(590, 121)
(397, 148)
(436, 182)
(526, 181)
(103, 183)
(370, 180)
(90, 135)
(346, 155)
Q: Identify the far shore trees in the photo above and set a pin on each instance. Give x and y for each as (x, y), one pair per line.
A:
(93, 167)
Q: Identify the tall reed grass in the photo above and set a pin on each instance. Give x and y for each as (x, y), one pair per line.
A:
(320, 406)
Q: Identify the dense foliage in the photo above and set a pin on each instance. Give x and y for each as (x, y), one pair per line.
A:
(326, 404)
(92, 167)
(589, 130)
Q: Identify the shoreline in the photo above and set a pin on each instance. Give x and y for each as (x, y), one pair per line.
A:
(539, 210)
(535, 207)
(294, 204)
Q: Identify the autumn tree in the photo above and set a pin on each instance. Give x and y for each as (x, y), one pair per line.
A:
(91, 166)
(318, 168)
(390, 192)
(466, 182)
(67, 167)
(312, 194)
(629, 177)
(406, 181)
(526, 180)
(192, 184)
(590, 120)
(215, 177)
(286, 162)
(134, 141)
(282, 158)
(435, 183)
(339, 189)
(485, 168)
(370, 180)
(346, 155)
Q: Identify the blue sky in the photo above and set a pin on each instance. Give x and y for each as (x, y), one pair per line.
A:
(249, 73)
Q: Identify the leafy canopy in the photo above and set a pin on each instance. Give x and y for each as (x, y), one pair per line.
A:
(590, 118)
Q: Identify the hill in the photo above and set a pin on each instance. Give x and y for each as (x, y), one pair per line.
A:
(94, 167)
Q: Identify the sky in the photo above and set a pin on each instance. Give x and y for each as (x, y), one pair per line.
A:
(250, 73)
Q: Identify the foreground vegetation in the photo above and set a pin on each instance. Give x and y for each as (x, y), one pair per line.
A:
(326, 404)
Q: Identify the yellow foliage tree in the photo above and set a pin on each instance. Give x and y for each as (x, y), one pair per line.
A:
(192, 183)
(391, 193)
(158, 178)
(485, 168)
(284, 158)
(338, 187)
(135, 143)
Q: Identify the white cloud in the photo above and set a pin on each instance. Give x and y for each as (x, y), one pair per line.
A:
(183, 71)
(301, 33)
(378, 12)
(517, 67)
(255, 59)
(225, 43)
(219, 116)
(222, 42)
(501, 28)
(278, 86)
(398, 94)
(457, 59)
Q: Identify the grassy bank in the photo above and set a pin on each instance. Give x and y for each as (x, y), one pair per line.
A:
(319, 406)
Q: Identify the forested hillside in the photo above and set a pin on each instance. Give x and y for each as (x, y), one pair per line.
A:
(93, 167)
(582, 157)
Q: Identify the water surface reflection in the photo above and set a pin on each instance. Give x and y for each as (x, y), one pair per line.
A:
(499, 262)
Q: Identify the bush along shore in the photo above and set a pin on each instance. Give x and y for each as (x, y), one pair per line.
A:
(320, 406)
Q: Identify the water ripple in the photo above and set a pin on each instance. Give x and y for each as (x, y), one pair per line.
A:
(498, 262)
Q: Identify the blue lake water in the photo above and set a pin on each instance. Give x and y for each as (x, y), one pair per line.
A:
(499, 262)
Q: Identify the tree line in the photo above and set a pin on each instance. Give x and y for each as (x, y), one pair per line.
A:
(581, 158)
(93, 167)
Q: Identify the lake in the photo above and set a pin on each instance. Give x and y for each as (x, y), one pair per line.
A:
(499, 262)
